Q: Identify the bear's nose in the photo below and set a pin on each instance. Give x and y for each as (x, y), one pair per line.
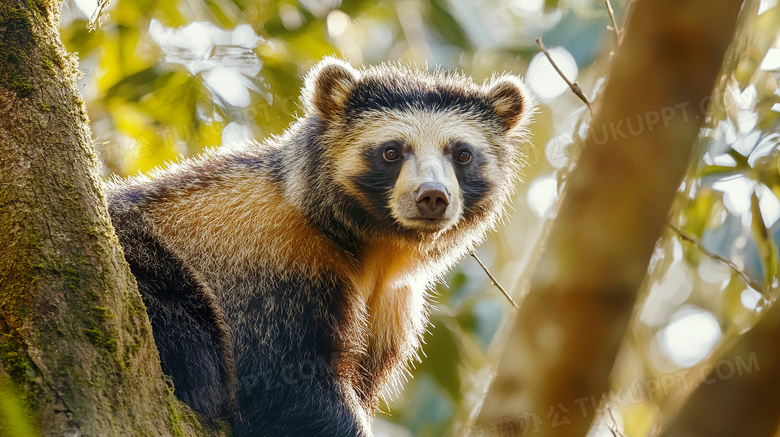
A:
(432, 199)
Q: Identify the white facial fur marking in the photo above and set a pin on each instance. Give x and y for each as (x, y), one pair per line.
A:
(427, 136)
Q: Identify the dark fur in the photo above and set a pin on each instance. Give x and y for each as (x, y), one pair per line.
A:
(182, 312)
(304, 364)
(290, 389)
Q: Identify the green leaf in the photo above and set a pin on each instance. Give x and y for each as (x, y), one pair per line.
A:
(443, 358)
(699, 211)
(732, 306)
(767, 247)
(717, 170)
(550, 5)
(762, 38)
(446, 25)
(15, 420)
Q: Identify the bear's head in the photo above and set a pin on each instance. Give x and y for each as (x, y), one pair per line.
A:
(415, 152)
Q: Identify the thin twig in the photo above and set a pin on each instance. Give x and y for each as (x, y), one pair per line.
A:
(575, 87)
(613, 426)
(735, 268)
(614, 23)
(493, 280)
(94, 20)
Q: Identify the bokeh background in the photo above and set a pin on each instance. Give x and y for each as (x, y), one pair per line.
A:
(167, 79)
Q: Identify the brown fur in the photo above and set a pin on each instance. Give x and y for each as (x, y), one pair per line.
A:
(288, 228)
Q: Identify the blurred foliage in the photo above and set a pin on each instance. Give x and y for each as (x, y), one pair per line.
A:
(168, 79)
(726, 251)
(14, 417)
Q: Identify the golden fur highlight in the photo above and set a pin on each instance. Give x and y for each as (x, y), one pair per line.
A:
(225, 220)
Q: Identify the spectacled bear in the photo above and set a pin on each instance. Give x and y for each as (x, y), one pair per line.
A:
(287, 282)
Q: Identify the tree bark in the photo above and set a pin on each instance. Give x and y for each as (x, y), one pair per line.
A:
(614, 207)
(743, 402)
(75, 340)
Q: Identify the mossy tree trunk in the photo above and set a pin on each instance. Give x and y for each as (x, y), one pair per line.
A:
(75, 343)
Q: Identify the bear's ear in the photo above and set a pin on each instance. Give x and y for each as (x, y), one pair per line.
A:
(511, 101)
(328, 86)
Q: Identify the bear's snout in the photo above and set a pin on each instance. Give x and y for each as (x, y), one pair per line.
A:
(432, 199)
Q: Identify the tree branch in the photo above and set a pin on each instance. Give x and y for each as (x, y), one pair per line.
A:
(744, 403)
(575, 87)
(74, 336)
(614, 23)
(613, 210)
(696, 242)
(493, 280)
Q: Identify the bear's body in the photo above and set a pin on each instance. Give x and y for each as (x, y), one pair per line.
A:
(286, 282)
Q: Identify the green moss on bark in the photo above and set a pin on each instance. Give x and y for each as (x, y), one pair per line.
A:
(101, 339)
(85, 359)
(18, 275)
(49, 65)
(103, 312)
(14, 362)
(16, 42)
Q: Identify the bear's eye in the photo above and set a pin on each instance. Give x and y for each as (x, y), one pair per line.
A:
(391, 153)
(463, 157)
